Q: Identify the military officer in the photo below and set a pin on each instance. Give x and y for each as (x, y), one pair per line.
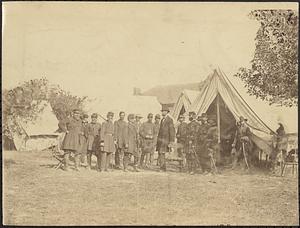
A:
(191, 143)
(120, 127)
(71, 143)
(242, 142)
(138, 124)
(147, 131)
(83, 140)
(166, 136)
(93, 141)
(202, 144)
(181, 136)
(108, 142)
(211, 146)
(131, 144)
(156, 127)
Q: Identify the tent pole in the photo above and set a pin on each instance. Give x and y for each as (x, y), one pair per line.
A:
(218, 118)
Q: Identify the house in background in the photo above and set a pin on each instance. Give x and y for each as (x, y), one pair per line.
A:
(168, 95)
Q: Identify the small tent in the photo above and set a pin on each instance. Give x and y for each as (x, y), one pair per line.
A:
(142, 105)
(36, 134)
(185, 99)
(220, 97)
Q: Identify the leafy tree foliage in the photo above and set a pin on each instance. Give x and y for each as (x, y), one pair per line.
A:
(274, 69)
(24, 101)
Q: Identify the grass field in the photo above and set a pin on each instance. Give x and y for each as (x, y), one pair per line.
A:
(34, 193)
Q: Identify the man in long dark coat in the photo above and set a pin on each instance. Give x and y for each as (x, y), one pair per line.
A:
(120, 127)
(166, 136)
(93, 141)
(71, 143)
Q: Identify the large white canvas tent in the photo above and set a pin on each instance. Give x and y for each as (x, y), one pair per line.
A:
(36, 134)
(221, 98)
(142, 105)
(184, 101)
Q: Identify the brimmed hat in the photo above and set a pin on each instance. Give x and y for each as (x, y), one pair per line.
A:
(130, 116)
(110, 114)
(76, 111)
(165, 108)
(150, 115)
(139, 116)
(94, 115)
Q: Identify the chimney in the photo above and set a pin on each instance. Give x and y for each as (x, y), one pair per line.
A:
(137, 91)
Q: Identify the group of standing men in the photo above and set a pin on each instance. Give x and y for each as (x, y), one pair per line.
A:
(120, 138)
(132, 138)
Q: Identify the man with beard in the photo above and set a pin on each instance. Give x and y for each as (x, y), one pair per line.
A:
(166, 136)
(71, 142)
(191, 143)
(181, 135)
(147, 131)
(120, 127)
(93, 141)
(131, 144)
(108, 141)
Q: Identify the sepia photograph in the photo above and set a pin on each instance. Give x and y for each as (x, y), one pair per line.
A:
(149, 113)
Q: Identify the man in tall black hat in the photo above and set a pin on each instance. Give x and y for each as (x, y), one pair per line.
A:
(166, 136)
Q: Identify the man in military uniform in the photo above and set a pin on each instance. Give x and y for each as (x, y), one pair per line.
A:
(202, 144)
(108, 142)
(242, 143)
(166, 136)
(93, 141)
(83, 140)
(181, 139)
(120, 127)
(147, 131)
(138, 124)
(191, 143)
(211, 146)
(156, 127)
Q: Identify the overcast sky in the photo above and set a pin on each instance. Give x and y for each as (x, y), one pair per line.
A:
(98, 49)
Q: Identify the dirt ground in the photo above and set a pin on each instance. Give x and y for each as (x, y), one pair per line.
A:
(35, 193)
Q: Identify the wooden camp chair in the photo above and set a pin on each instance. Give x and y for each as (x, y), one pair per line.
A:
(290, 159)
(174, 156)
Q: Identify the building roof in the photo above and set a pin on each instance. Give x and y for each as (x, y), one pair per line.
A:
(169, 94)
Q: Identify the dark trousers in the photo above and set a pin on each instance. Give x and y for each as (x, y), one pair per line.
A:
(67, 154)
(145, 158)
(191, 162)
(105, 158)
(119, 157)
(162, 160)
(205, 163)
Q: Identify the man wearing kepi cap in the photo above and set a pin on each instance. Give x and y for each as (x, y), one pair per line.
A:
(71, 142)
(181, 138)
(120, 127)
(166, 136)
(156, 127)
(242, 142)
(138, 124)
(108, 141)
(93, 141)
(147, 131)
(191, 143)
(131, 144)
